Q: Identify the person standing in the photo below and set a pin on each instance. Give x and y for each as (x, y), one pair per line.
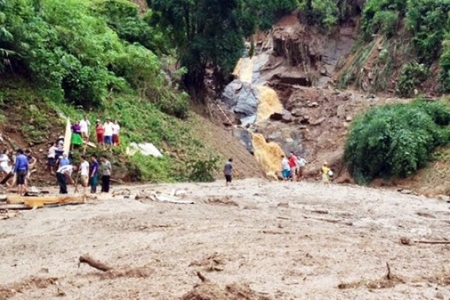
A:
(4, 162)
(5, 168)
(301, 163)
(108, 133)
(21, 170)
(84, 172)
(115, 136)
(228, 171)
(64, 174)
(31, 162)
(84, 128)
(100, 132)
(93, 172)
(76, 140)
(106, 174)
(51, 157)
(286, 170)
(325, 171)
(293, 166)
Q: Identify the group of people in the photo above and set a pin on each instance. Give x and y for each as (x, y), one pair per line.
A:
(23, 166)
(88, 174)
(292, 168)
(107, 133)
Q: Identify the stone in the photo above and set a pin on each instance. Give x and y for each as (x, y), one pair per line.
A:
(289, 140)
(313, 104)
(297, 112)
(348, 118)
(443, 198)
(439, 295)
(406, 192)
(286, 117)
(276, 116)
(318, 121)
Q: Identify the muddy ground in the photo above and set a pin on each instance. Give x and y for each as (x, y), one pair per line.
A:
(275, 240)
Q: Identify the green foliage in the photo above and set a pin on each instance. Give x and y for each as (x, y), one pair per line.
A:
(379, 16)
(396, 140)
(210, 33)
(412, 75)
(428, 20)
(200, 170)
(324, 13)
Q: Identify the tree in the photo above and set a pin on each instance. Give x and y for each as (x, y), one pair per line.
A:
(210, 33)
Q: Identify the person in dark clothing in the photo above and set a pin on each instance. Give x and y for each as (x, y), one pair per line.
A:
(63, 174)
(228, 171)
(93, 173)
(21, 169)
(106, 175)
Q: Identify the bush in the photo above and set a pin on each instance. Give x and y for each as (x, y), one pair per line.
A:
(323, 13)
(202, 170)
(411, 76)
(395, 140)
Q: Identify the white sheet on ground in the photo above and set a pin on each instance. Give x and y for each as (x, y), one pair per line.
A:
(144, 149)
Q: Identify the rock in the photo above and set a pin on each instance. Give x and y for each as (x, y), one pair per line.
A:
(318, 121)
(297, 112)
(348, 118)
(275, 135)
(33, 107)
(439, 295)
(340, 111)
(406, 192)
(245, 137)
(289, 140)
(287, 117)
(313, 104)
(443, 198)
(242, 99)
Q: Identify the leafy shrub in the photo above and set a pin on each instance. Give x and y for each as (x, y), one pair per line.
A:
(324, 13)
(202, 170)
(411, 76)
(427, 20)
(379, 16)
(396, 140)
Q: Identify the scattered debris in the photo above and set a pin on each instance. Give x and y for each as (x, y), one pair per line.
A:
(221, 200)
(210, 263)
(388, 281)
(86, 259)
(144, 148)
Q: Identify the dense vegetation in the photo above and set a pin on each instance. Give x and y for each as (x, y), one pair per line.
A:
(414, 37)
(396, 140)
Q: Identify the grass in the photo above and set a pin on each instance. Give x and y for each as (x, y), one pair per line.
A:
(140, 122)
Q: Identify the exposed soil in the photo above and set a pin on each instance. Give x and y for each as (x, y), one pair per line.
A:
(265, 240)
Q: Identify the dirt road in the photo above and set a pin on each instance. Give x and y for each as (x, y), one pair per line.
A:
(285, 240)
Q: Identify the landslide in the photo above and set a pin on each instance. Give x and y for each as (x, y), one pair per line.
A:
(306, 66)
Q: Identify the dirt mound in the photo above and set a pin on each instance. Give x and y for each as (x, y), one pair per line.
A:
(10, 290)
(212, 291)
(221, 200)
(141, 272)
(210, 263)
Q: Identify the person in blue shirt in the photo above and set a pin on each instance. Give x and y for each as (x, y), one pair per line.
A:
(93, 174)
(21, 170)
(64, 160)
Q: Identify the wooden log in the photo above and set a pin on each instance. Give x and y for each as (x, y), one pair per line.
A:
(13, 206)
(41, 201)
(86, 259)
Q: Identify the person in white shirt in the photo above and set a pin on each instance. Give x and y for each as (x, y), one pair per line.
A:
(301, 163)
(51, 157)
(285, 169)
(63, 174)
(84, 172)
(84, 128)
(115, 136)
(108, 132)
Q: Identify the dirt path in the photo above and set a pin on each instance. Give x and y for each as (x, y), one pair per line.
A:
(287, 241)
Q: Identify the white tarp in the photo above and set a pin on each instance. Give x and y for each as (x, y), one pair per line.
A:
(144, 149)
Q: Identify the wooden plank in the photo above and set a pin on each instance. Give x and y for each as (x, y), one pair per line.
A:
(67, 137)
(40, 201)
(7, 177)
(13, 206)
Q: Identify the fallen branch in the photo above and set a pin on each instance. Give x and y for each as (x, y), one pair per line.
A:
(407, 241)
(86, 259)
(202, 278)
(348, 223)
(388, 274)
(433, 242)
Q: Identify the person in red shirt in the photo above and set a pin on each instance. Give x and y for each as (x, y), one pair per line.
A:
(100, 131)
(293, 166)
